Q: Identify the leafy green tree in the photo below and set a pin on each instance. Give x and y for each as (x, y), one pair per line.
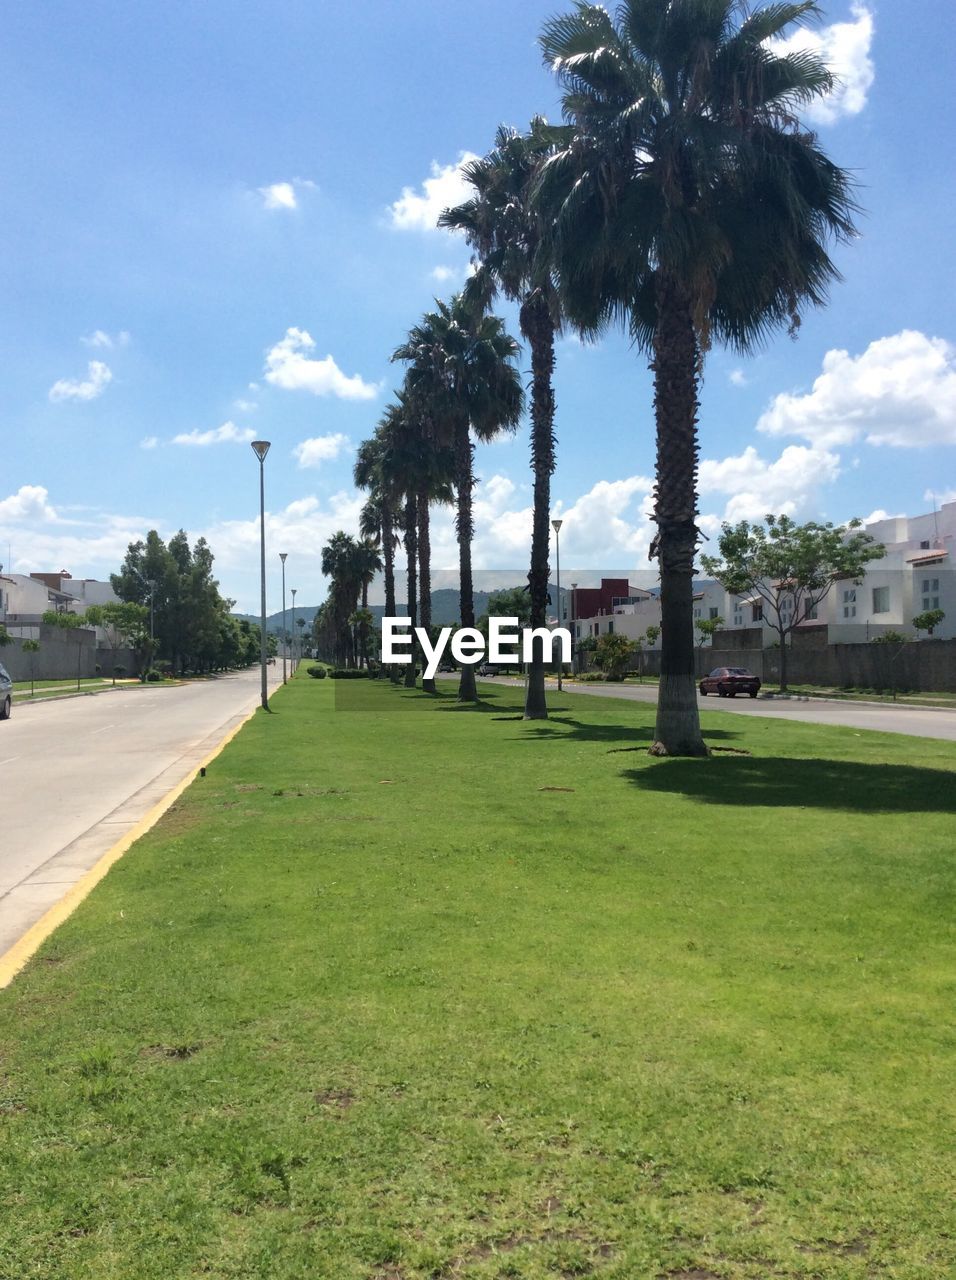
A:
(509, 602)
(613, 654)
(928, 621)
(122, 624)
(510, 234)
(790, 566)
(692, 205)
(5, 636)
(32, 647)
(706, 629)
(185, 609)
(462, 364)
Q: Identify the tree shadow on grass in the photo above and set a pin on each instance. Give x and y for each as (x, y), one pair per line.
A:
(809, 784)
(568, 729)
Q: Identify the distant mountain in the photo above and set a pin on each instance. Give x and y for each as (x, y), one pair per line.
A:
(444, 610)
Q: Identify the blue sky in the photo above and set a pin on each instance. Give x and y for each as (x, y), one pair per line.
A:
(216, 223)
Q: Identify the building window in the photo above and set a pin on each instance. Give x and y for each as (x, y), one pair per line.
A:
(930, 602)
(930, 584)
(811, 613)
(924, 546)
(758, 613)
(712, 613)
(881, 599)
(696, 613)
(849, 597)
(849, 611)
(610, 628)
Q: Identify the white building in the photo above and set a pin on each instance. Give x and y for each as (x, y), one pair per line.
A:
(24, 598)
(916, 575)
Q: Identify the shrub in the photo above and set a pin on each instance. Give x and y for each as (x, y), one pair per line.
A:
(98, 669)
(348, 673)
(317, 673)
(153, 676)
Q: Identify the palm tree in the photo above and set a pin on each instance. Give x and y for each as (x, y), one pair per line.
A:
(377, 517)
(340, 563)
(367, 563)
(693, 205)
(461, 363)
(510, 236)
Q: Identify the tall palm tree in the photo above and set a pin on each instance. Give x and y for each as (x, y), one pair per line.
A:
(340, 563)
(461, 363)
(368, 562)
(377, 517)
(510, 235)
(693, 205)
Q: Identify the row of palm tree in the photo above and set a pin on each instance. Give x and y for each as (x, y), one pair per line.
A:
(683, 199)
(341, 625)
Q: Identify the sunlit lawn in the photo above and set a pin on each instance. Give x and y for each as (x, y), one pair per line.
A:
(413, 991)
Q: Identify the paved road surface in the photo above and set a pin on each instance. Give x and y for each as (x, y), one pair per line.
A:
(76, 774)
(923, 723)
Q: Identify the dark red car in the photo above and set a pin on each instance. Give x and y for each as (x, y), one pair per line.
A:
(729, 681)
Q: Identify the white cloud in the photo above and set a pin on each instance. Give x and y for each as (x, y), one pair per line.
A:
(901, 391)
(245, 406)
(29, 505)
(442, 275)
(228, 433)
(418, 211)
(98, 379)
(99, 338)
(788, 486)
(149, 442)
(845, 48)
(289, 366)
(737, 378)
(940, 496)
(284, 195)
(312, 453)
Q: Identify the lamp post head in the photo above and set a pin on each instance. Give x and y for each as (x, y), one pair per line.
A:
(282, 556)
(261, 448)
(293, 590)
(556, 525)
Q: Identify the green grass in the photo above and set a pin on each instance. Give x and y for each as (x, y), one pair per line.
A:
(418, 991)
(22, 687)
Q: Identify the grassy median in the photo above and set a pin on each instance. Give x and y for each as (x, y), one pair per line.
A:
(409, 990)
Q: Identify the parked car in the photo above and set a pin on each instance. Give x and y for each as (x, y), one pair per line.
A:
(727, 682)
(486, 669)
(6, 694)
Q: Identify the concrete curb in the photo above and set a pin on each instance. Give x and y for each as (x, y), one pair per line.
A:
(14, 960)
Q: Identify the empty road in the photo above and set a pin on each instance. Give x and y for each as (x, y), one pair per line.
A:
(77, 773)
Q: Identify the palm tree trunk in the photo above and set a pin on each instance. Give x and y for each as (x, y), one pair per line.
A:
(538, 328)
(424, 575)
(465, 528)
(388, 551)
(675, 367)
(411, 556)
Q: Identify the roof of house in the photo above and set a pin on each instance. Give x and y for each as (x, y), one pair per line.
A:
(941, 554)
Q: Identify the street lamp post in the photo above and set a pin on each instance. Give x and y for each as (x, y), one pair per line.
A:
(261, 448)
(294, 590)
(285, 634)
(556, 526)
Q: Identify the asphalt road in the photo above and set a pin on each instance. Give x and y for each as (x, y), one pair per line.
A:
(885, 718)
(77, 773)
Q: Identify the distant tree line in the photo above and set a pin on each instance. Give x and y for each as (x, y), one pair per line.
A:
(188, 619)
